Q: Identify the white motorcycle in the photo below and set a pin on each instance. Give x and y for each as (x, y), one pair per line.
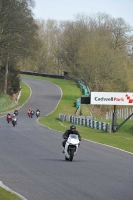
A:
(37, 113)
(71, 147)
(14, 121)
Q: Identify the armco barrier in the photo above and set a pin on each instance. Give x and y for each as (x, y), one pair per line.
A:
(62, 117)
(42, 74)
(77, 103)
(86, 121)
(84, 88)
(85, 91)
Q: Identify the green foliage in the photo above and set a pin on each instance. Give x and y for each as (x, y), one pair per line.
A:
(93, 49)
(13, 81)
(18, 32)
(2, 71)
(6, 104)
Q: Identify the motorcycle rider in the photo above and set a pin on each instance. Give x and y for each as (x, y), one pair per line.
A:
(14, 118)
(37, 112)
(72, 130)
(28, 112)
(16, 112)
(9, 117)
(32, 112)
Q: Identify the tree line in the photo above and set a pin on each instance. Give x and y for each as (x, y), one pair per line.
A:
(96, 49)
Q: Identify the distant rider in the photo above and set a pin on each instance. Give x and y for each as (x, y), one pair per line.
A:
(28, 112)
(16, 112)
(72, 130)
(32, 112)
(37, 112)
(14, 118)
(8, 117)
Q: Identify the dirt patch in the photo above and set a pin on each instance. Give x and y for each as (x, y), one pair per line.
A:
(14, 97)
(97, 111)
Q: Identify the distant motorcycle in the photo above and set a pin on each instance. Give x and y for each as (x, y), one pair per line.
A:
(71, 147)
(16, 112)
(37, 114)
(28, 112)
(9, 118)
(14, 121)
(31, 114)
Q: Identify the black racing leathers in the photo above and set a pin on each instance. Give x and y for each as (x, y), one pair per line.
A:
(66, 135)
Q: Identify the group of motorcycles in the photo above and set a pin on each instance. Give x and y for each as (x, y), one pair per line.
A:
(12, 118)
(32, 112)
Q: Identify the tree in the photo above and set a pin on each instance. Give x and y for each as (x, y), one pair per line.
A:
(101, 65)
(18, 31)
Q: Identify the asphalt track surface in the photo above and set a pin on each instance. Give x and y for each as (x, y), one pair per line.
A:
(32, 163)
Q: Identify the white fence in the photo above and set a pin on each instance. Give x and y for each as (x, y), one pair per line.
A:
(121, 113)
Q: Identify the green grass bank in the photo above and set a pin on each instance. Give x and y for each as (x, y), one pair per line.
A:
(6, 105)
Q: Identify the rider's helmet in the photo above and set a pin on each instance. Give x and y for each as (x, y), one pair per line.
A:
(72, 127)
(13, 115)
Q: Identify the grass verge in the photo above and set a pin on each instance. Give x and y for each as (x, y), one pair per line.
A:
(7, 106)
(6, 195)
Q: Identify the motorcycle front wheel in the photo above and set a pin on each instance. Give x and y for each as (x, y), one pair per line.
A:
(66, 158)
(13, 123)
(71, 154)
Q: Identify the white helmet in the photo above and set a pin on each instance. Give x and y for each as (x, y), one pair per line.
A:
(13, 115)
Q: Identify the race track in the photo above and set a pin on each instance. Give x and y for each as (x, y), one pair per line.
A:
(32, 163)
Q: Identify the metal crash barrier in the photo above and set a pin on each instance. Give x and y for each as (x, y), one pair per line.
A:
(86, 121)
